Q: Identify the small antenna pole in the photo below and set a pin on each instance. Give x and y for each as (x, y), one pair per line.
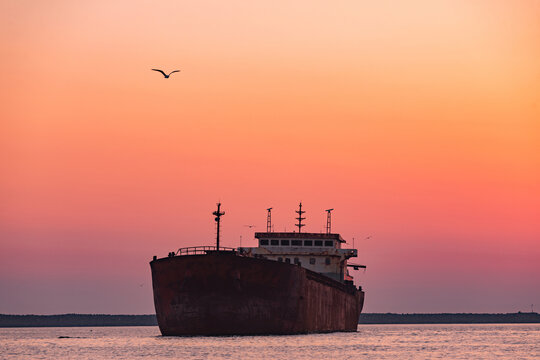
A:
(269, 220)
(300, 218)
(218, 215)
(328, 220)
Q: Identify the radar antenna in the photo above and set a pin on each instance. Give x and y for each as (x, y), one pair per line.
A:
(328, 220)
(218, 215)
(300, 218)
(269, 220)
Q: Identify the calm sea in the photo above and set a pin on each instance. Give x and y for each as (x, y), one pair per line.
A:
(508, 341)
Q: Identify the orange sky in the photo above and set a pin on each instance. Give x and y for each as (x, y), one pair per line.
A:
(419, 123)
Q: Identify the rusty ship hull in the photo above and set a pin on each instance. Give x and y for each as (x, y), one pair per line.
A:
(222, 293)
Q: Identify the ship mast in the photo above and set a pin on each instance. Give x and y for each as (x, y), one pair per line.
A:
(218, 215)
(328, 220)
(300, 218)
(269, 220)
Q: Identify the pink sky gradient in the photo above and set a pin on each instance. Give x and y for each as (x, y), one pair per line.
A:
(419, 123)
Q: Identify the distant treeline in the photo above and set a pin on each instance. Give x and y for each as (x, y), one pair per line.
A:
(150, 320)
(76, 320)
(389, 318)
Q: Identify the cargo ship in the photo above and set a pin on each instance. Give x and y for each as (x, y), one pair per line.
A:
(291, 283)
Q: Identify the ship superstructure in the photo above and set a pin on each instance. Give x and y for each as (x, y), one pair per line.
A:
(318, 252)
(321, 253)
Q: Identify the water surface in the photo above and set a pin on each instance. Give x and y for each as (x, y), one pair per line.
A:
(486, 341)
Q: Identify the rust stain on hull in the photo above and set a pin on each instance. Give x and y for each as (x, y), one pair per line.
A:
(225, 294)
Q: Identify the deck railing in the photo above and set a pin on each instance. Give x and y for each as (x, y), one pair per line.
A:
(200, 250)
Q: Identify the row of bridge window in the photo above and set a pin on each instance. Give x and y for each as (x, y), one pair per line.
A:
(297, 261)
(266, 242)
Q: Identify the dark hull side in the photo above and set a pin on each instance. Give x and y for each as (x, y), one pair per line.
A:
(224, 294)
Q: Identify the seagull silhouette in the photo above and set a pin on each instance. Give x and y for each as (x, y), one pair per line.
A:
(166, 76)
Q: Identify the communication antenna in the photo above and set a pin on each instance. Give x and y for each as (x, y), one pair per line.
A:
(328, 220)
(300, 218)
(269, 220)
(218, 215)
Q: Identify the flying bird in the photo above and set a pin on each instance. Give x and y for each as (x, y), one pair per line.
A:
(165, 75)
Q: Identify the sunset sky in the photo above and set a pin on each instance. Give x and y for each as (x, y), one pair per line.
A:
(418, 121)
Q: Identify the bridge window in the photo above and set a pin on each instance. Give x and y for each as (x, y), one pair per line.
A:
(296, 242)
(328, 243)
(312, 261)
(296, 261)
(318, 242)
(308, 243)
(274, 242)
(327, 261)
(287, 260)
(284, 242)
(280, 259)
(263, 242)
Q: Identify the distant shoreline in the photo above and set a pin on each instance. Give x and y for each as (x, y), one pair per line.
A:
(450, 318)
(82, 320)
